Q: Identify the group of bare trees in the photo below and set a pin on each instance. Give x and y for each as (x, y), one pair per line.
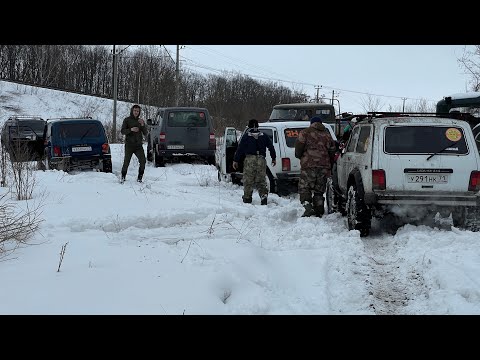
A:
(17, 223)
(146, 75)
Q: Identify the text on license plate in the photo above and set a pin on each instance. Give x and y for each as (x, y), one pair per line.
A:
(81, 148)
(428, 179)
(175, 146)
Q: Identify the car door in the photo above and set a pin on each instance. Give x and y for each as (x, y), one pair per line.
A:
(227, 152)
(345, 161)
(476, 134)
(187, 130)
(427, 157)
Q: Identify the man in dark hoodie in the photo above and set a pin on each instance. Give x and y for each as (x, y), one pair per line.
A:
(316, 150)
(253, 147)
(133, 127)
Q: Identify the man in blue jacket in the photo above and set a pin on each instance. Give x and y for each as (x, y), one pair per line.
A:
(253, 148)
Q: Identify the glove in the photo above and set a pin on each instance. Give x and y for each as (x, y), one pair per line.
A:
(235, 165)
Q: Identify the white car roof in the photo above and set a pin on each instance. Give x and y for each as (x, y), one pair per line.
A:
(285, 124)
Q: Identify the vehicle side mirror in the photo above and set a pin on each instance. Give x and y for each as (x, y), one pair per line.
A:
(149, 122)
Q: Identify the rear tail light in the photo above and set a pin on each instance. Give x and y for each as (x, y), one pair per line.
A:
(212, 145)
(474, 183)
(378, 179)
(162, 137)
(57, 151)
(105, 148)
(286, 164)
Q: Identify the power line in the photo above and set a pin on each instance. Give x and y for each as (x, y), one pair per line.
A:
(300, 83)
(168, 53)
(195, 64)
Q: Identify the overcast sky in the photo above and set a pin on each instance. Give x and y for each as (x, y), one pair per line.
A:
(394, 71)
(184, 243)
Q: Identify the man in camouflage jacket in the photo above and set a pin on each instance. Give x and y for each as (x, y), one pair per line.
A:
(133, 127)
(316, 150)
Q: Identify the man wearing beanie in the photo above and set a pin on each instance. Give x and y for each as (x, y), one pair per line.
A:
(253, 148)
(316, 150)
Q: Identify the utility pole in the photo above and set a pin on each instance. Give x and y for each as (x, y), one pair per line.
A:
(177, 76)
(317, 99)
(403, 109)
(114, 125)
(115, 89)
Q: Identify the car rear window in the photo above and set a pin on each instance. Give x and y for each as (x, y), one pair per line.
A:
(187, 119)
(27, 126)
(80, 130)
(291, 134)
(425, 140)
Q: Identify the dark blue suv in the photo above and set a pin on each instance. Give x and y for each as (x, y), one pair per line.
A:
(76, 144)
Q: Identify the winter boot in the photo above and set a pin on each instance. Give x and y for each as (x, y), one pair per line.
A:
(247, 200)
(308, 210)
(318, 205)
(122, 178)
(264, 200)
(139, 178)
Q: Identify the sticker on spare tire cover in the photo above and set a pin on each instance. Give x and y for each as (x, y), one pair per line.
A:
(453, 134)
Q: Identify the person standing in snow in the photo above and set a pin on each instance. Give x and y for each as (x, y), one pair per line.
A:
(253, 147)
(315, 148)
(133, 127)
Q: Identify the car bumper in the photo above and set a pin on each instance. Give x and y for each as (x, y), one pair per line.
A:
(415, 198)
(172, 153)
(83, 163)
(292, 176)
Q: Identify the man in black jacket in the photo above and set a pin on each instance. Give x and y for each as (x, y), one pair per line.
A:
(133, 127)
(253, 147)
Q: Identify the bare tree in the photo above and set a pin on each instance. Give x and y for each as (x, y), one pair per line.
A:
(470, 62)
(421, 106)
(23, 170)
(372, 103)
(17, 226)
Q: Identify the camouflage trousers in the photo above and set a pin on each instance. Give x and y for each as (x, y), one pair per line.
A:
(313, 180)
(254, 173)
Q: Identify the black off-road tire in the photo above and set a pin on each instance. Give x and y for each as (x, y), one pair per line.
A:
(331, 197)
(359, 216)
(158, 160)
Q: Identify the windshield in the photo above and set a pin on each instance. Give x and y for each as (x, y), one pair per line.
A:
(296, 114)
(25, 125)
(79, 130)
(187, 119)
(425, 140)
(291, 135)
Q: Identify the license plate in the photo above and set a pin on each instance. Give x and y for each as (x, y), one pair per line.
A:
(175, 147)
(428, 179)
(81, 148)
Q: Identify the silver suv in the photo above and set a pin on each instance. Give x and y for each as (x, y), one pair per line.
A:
(407, 168)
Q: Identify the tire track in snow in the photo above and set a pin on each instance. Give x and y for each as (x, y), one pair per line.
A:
(393, 282)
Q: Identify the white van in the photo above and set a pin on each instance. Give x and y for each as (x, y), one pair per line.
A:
(283, 177)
